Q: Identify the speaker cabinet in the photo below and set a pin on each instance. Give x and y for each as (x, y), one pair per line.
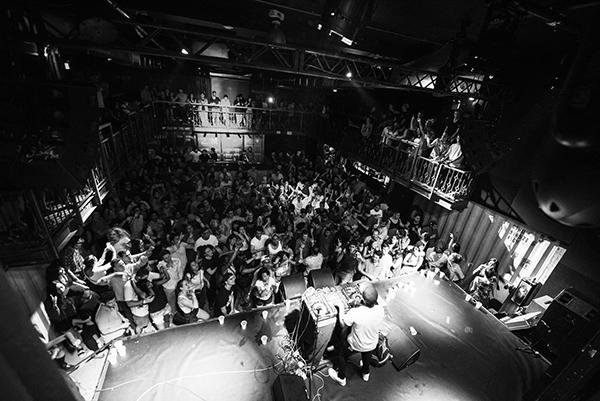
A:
(289, 388)
(568, 324)
(320, 278)
(293, 286)
(404, 350)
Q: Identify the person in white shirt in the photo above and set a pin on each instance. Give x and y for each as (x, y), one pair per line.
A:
(264, 287)
(314, 261)
(207, 238)
(257, 243)
(174, 269)
(365, 322)
(454, 155)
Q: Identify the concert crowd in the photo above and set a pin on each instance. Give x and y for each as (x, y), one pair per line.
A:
(184, 239)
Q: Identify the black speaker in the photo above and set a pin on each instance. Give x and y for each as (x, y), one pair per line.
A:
(320, 278)
(289, 387)
(568, 324)
(404, 350)
(293, 286)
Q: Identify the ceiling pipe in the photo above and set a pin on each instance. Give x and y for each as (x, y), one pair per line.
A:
(142, 33)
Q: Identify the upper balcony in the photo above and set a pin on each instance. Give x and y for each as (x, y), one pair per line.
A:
(211, 118)
(446, 185)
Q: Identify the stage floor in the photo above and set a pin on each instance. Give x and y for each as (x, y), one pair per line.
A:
(466, 354)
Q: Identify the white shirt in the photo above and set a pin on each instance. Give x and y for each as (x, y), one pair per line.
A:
(212, 240)
(313, 262)
(265, 290)
(258, 244)
(365, 324)
(130, 295)
(175, 271)
(454, 153)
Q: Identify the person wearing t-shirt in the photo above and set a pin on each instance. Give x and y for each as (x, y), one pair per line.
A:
(224, 301)
(207, 238)
(365, 322)
(257, 243)
(264, 288)
(347, 265)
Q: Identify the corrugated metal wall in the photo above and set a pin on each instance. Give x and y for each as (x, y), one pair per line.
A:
(484, 234)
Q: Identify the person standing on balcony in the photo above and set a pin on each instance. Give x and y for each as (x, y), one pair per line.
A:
(454, 126)
(250, 104)
(239, 111)
(214, 101)
(453, 155)
(204, 122)
(226, 110)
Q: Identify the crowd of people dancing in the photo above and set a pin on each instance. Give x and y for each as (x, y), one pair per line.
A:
(184, 240)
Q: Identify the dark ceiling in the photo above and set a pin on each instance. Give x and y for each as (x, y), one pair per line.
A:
(408, 31)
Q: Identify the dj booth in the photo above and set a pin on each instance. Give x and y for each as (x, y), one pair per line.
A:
(466, 353)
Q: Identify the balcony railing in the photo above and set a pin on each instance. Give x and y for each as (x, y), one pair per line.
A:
(430, 178)
(204, 117)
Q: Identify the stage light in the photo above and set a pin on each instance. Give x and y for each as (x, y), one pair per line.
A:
(335, 91)
(228, 27)
(109, 59)
(184, 51)
(67, 66)
(270, 99)
(472, 99)
(319, 27)
(349, 74)
(332, 14)
(347, 41)
(491, 77)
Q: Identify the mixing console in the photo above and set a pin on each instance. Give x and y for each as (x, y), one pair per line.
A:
(321, 302)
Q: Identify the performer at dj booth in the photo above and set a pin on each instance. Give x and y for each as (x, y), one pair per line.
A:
(363, 323)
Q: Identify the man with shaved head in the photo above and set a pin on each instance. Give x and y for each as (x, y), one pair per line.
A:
(365, 322)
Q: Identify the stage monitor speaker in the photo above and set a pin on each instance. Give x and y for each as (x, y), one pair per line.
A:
(293, 286)
(568, 324)
(404, 350)
(289, 387)
(320, 278)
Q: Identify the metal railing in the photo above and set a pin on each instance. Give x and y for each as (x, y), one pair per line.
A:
(404, 164)
(212, 117)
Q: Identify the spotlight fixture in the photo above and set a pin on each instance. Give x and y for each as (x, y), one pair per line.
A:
(349, 74)
(67, 66)
(344, 19)
(276, 35)
(270, 99)
(184, 51)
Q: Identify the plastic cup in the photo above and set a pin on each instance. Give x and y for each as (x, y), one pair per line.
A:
(265, 314)
(468, 297)
(264, 339)
(478, 305)
(221, 320)
(243, 323)
(112, 357)
(413, 331)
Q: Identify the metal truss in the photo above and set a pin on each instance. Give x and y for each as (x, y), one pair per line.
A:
(166, 41)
